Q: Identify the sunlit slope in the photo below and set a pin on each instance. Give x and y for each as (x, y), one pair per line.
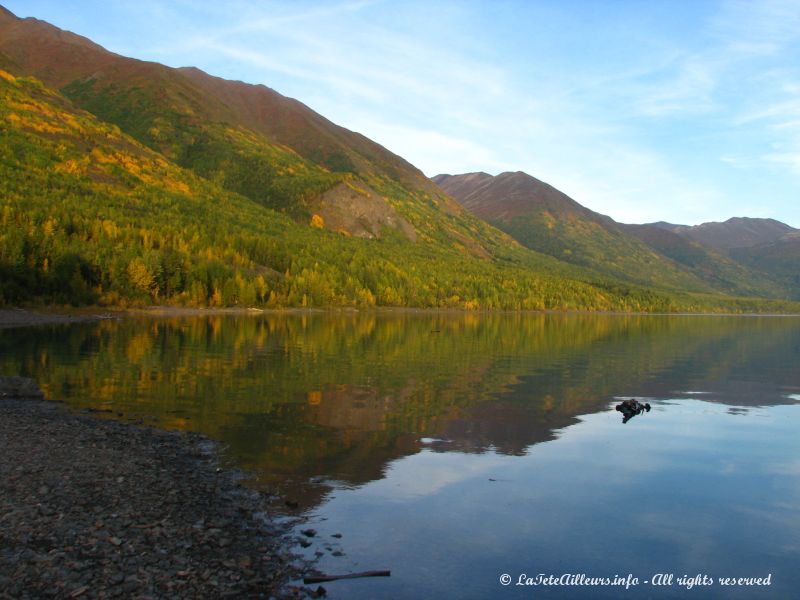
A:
(90, 215)
(173, 186)
(246, 138)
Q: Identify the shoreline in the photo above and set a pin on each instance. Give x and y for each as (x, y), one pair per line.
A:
(95, 508)
(23, 317)
(32, 317)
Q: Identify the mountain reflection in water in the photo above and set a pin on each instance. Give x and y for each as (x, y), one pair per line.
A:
(338, 396)
(407, 429)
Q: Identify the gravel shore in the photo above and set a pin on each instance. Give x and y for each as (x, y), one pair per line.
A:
(92, 508)
(18, 317)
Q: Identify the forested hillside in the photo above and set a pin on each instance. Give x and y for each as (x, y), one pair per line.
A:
(133, 183)
(90, 215)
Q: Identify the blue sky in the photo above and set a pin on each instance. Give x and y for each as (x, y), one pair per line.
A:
(678, 110)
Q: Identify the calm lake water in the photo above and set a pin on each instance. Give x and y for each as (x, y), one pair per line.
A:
(453, 449)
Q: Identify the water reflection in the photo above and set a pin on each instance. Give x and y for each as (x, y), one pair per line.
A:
(321, 397)
(452, 448)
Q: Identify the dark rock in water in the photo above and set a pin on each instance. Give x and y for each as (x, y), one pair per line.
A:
(631, 408)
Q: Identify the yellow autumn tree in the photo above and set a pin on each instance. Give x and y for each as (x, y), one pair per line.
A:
(317, 222)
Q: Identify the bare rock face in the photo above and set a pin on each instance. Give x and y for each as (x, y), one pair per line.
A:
(20, 387)
(356, 209)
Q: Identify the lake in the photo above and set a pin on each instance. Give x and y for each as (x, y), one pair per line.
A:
(456, 449)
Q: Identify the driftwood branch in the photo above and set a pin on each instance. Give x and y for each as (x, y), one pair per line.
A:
(324, 578)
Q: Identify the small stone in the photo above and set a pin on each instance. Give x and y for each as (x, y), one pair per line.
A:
(309, 532)
(115, 541)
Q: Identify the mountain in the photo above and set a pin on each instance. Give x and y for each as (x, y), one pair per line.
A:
(780, 258)
(766, 248)
(544, 219)
(737, 232)
(248, 138)
(717, 268)
(547, 220)
(123, 181)
(90, 215)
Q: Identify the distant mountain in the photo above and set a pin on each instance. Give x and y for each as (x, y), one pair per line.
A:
(711, 265)
(511, 195)
(542, 218)
(780, 258)
(766, 248)
(545, 219)
(664, 225)
(737, 232)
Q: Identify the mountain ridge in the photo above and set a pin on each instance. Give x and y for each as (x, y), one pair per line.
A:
(735, 232)
(185, 110)
(536, 213)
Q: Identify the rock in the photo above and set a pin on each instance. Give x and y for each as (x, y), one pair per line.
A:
(20, 387)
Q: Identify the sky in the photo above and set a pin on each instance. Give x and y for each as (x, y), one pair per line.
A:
(684, 111)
